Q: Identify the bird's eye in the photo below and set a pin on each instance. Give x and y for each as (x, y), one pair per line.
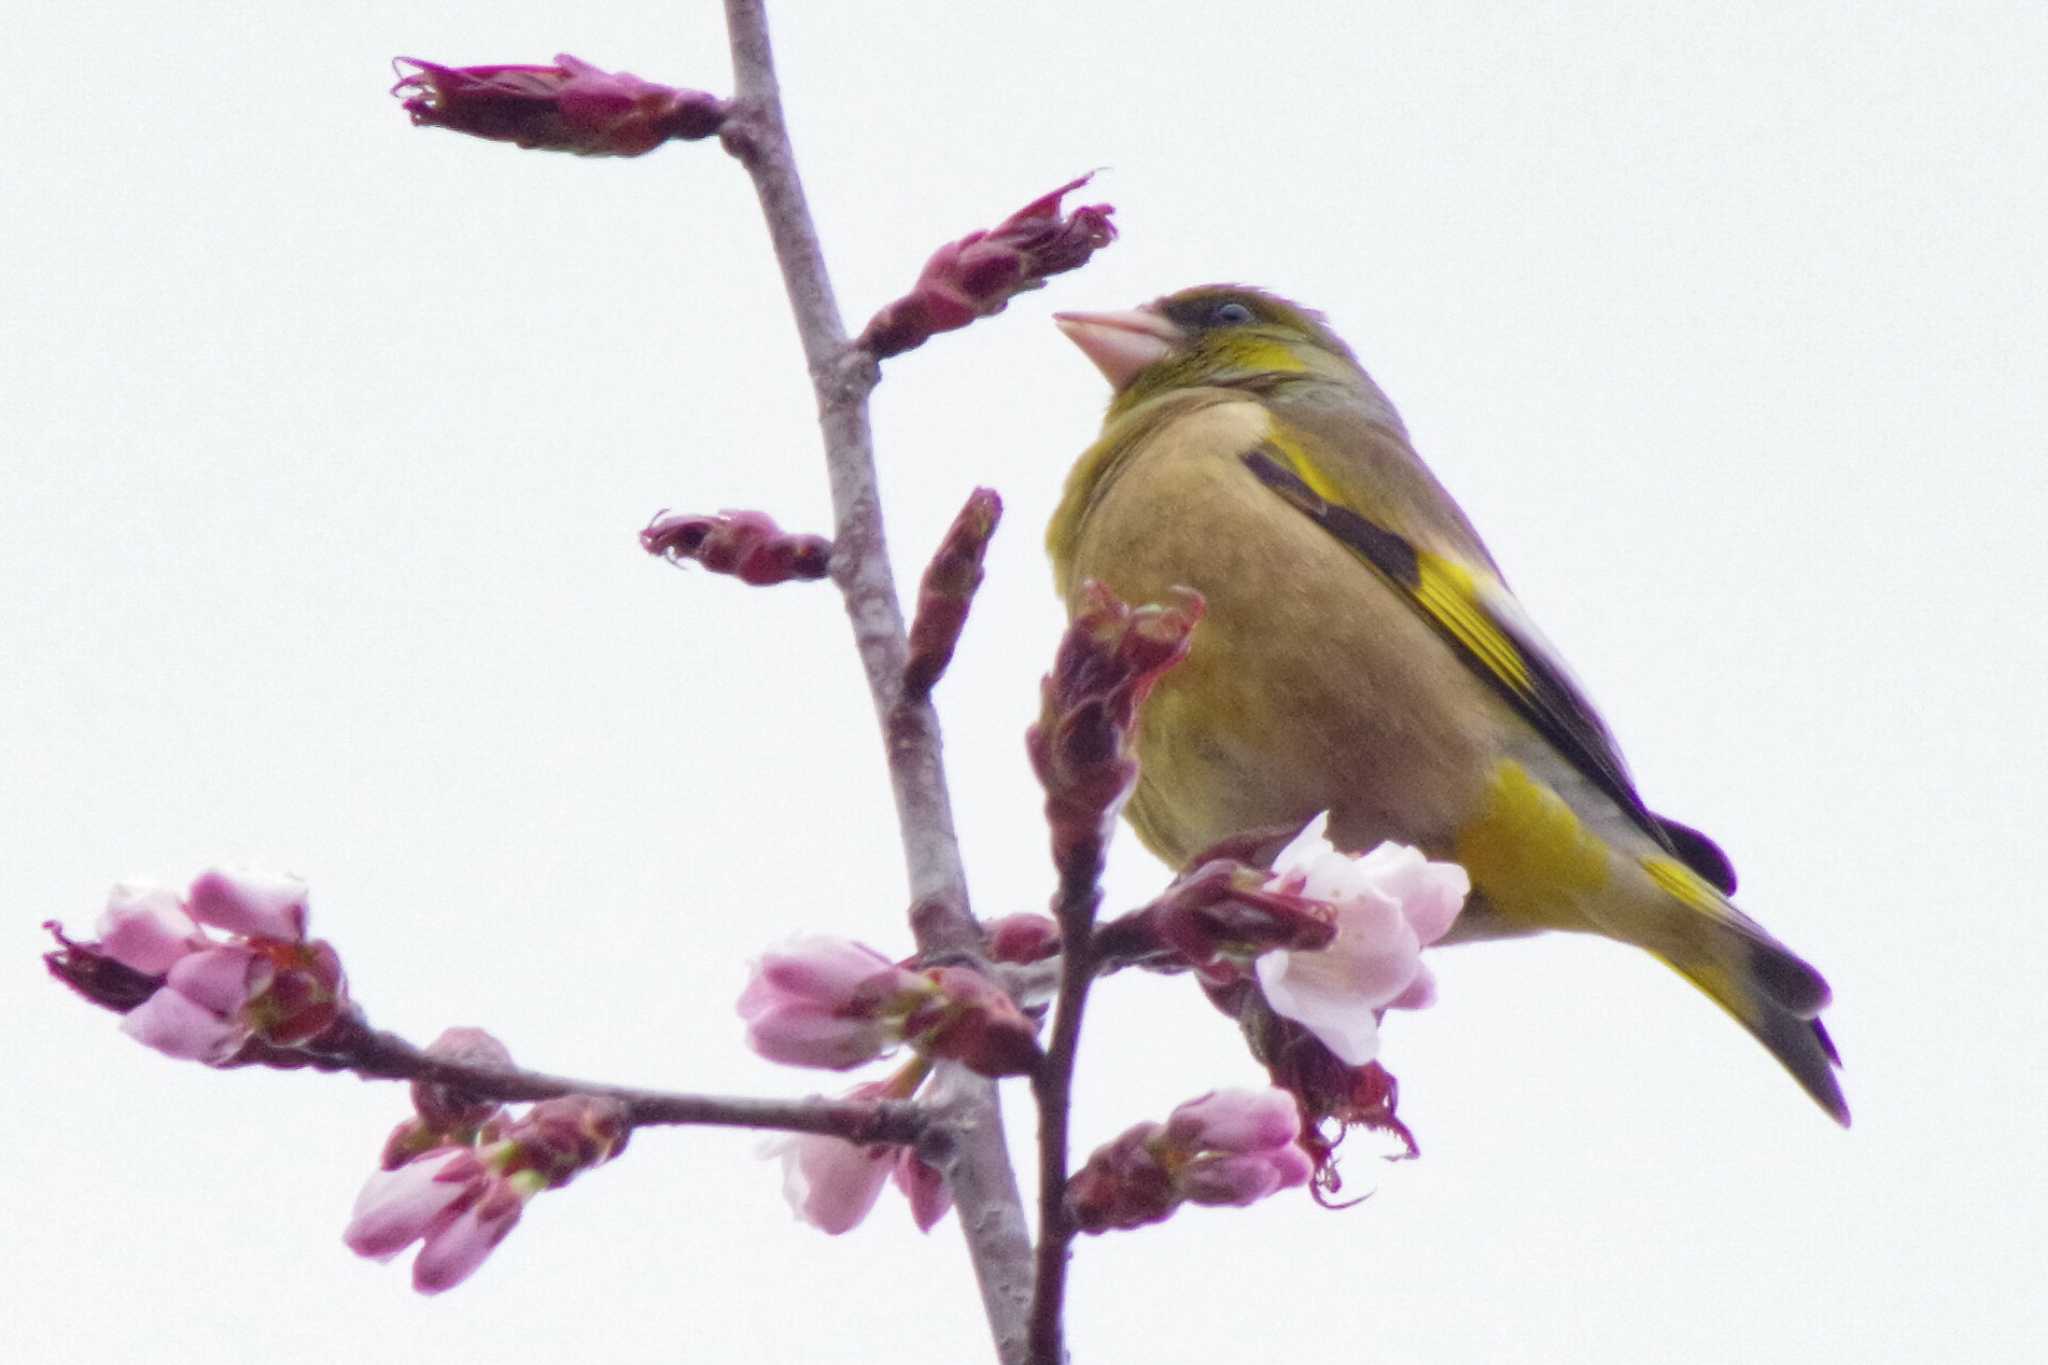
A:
(1230, 315)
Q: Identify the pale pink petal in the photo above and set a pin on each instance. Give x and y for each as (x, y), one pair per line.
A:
(924, 1187)
(455, 1248)
(803, 1035)
(222, 978)
(1230, 1180)
(822, 968)
(1421, 992)
(145, 927)
(829, 1182)
(1236, 1121)
(181, 1028)
(1430, 894)
(396, 1208)
(1341, 1019)
(253, 904)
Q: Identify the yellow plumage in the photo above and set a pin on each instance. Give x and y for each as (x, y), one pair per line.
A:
(1361, 655)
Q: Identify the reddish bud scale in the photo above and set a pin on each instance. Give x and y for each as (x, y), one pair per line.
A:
(1123, 1185)
(560, 1138)
(95, 977)
(973, 1022)
(1108, 661)
(1215, 920)
(947, 591)
(978, 275)
(747, 545)
(571, 106)
(449, 1109)
(306, 994)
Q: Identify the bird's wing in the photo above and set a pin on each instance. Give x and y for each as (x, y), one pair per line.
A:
(1487, 628)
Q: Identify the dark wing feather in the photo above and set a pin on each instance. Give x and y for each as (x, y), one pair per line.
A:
(1481, 623)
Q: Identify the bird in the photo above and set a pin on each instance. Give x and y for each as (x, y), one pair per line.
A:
(1362, 655)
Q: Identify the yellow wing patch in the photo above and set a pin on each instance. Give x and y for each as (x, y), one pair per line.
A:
(1449, 592)
(1529, 852)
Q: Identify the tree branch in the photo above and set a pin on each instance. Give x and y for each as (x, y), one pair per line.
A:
(983, 1183)
(375, 1054)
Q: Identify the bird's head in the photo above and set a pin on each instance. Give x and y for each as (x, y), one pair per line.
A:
(1213, 334)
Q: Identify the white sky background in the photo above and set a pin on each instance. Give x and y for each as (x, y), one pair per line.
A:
(326, 441)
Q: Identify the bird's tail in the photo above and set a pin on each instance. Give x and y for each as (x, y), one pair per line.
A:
(1769, 989)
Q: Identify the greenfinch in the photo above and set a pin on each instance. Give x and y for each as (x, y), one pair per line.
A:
(1361, 655)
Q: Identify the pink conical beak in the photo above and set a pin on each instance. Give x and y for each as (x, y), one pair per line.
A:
(1122, 344)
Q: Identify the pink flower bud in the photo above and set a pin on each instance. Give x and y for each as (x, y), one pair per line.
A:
(453, 1250)
(947, 591)
(1023, 938)
(1236, 1181)
(827, 1002)
(1236, 1121)
(1236, 1146)
(397, 1208)
(146, 927)
(571, 106)
(447, 1108)
(1230, 1147)
(251, 904)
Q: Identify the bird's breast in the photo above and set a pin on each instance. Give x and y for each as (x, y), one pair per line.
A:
(1310, 685)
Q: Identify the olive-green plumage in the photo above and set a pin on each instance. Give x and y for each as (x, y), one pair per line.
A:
(1361, 655)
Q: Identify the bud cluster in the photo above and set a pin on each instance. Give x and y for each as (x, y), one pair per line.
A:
(201, 996)
(458, 1175)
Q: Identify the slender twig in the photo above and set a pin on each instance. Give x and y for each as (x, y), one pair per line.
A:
(1053, 1086)
(983, 1183)
(378, 1055)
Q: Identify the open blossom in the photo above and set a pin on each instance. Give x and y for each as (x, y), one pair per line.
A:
(833, 1184)
(1389, 904)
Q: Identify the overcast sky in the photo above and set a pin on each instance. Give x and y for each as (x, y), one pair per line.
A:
(325, 444)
